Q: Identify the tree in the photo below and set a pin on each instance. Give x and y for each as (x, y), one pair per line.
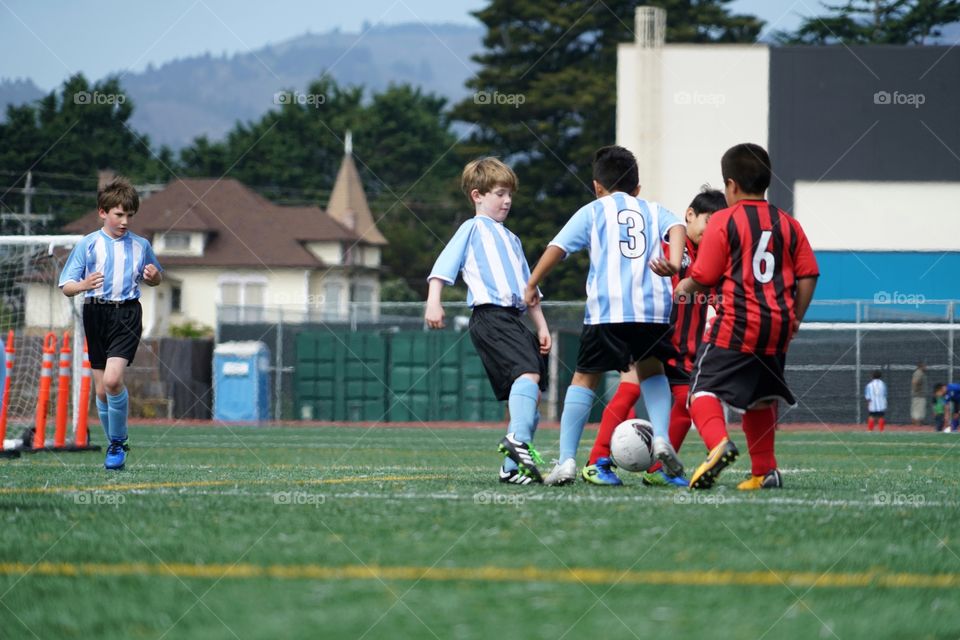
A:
(545, 100)
(65, 138)
(876, 22)
(403, 148)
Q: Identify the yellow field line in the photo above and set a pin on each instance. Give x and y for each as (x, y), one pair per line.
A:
(793, 579)
(212, 483)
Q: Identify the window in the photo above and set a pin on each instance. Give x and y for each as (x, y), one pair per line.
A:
(242, 298)
(176, 297)
(174, 242)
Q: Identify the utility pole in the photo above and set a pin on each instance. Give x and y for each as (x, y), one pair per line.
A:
(27, 217)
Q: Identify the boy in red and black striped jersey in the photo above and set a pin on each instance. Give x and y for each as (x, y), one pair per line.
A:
(687, 319)
(758, 260)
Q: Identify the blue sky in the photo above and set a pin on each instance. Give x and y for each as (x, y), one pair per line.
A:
(47, 40)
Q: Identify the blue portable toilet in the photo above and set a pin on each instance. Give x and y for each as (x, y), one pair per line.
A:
(241, 382)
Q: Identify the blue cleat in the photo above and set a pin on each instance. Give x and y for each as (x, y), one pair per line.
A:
(659, 478)
(601, 473)
(116, 454)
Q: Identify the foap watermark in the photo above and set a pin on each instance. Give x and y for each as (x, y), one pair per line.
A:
(896, 98)
(95, 499)
(299, 498)
(700, 297)
(314, 100)
(95, 97)
(510, 99)
(898, 297)
(715, 100)
(699, 498)
(899, 499)
(490, 497)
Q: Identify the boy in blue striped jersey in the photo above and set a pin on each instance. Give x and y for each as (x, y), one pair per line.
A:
(108, 266)
(629, 299)
(495, 271)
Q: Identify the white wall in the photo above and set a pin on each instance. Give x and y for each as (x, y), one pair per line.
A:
(711, 97)
(879, 216)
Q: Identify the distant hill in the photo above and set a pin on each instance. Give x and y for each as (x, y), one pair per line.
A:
(186, 98)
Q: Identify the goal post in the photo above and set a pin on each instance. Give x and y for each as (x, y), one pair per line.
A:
(32, 306)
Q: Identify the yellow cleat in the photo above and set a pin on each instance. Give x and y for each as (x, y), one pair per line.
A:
(772, 480)
(719, 458)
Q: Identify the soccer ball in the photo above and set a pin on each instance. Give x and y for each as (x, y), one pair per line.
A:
(630, 446)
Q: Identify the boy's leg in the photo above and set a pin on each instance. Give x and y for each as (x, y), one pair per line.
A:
(759, 428)
(880, 422)
(101, 396)
(680, 421)
(576, 411)
(523, 400)
(869, 423)
(117, 398)
(617, 410)
(658, 400)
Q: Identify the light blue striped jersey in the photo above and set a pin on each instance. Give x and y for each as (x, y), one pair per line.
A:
(121, 261)
(876, 395)
(492, 262)
(622, 234)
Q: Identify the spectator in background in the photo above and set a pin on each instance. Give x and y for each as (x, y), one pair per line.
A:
(876, 396)
(939, 406)
(918, 395)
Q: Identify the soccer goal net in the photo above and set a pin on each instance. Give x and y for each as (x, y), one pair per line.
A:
(34, 316)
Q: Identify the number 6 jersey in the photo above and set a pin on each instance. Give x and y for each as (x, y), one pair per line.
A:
(623, 234)
(753, 254)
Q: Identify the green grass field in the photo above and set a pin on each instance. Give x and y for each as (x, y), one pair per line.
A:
(404, 533)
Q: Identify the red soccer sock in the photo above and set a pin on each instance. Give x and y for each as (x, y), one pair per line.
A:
(618, 410)
(881, 422)
(707, 412)
(679, 416)
(869, 424)
(759, 428)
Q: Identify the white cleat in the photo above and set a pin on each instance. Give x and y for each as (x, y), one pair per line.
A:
(564, 473)
(665, 453)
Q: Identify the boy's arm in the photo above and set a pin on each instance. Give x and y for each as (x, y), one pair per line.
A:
(543, 332)
(434, 313)
(72, 279)
(73, 287)
(152, 271)
(550, 258)
(671, 266)
(805, 288)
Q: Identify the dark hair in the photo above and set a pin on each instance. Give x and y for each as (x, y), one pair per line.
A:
(616, 169)
(708, 200)
(118, 193)
(748, 165)
(940, 385)
(877, 374)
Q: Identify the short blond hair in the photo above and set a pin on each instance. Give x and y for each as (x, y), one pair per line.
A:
(484, 174)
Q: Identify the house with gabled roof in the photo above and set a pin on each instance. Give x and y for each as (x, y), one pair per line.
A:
(227, 250)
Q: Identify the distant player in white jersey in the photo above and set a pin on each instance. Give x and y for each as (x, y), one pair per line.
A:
(109, 265)
(495, 271)
(875, 394)
(629, 299)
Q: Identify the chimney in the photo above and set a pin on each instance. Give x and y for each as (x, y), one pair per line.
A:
(650, 24)
(104, 176)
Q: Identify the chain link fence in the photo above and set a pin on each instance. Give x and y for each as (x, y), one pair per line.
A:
(833, 357)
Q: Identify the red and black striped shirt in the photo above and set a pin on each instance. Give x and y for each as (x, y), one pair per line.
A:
(689, 317)
(753, 254)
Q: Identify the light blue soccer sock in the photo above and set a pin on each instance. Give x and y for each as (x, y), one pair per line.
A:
(658, 401)
(104, 417)
(117, 407)
(576, 411)
(524, 395)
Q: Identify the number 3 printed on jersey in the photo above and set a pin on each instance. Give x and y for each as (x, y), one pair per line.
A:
(636, 246)
(763, 260)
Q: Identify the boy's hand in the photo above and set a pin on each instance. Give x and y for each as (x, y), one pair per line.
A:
(662, 267)
(151, 275)
(92, 281)
(531, 296)
(545, 340)
(434, 315)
